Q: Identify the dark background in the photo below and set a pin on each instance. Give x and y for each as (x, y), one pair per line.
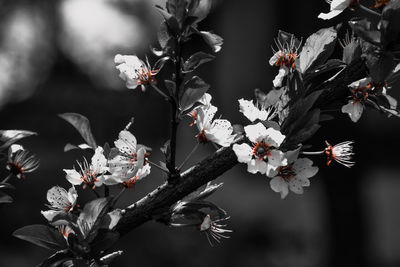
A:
(57, 56)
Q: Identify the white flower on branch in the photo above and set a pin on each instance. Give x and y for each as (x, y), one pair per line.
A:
(90, 175)
(337, 7)
(263, 156)
(360, 91)
(134, 71)
(341, 153)
(213, 229)
(205, 102)
(131, 164)
(219, 131)
(20, 161)
(253, 112)
(284, 57)
(293, 176)
(60, 201)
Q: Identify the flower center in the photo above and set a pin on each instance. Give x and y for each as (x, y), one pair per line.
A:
(360, 94)
(201, 137)
(286, 59)
(261, 150)
(16, 169)
(89, 179)
(130, 183)
(380, 3)
(286, 172)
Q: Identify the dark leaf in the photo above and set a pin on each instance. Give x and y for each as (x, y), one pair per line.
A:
(104, 240)
(58, 259)
(107, 259)
(362, 28)
(317, 49)
(42, 235)
(171, 21)
(9, 137)
(7, 186)
(5, 199)
(196, 60)
(390, 24)
(194, 89)
(91, 216)
(177, 8)
(82, 125)
(213, 40)
(379, 63)
(352, 51)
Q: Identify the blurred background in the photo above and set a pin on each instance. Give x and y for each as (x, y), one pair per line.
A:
(57, 56)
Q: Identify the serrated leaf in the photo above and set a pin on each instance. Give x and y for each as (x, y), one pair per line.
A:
(196, 60)
(82, 125)
(42, 235)
(194, 89)
(9, 137)
(317, 49)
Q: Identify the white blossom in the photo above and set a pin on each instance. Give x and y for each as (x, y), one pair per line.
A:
(263, 156)
(20, 161)
(60, 201)
(130, 165)
(293, 176)
(360, 90)
(134, 71)
(341, 153)
(337, 7)
(253, 113)
(89, 174)
(213, 229)
(219, 131)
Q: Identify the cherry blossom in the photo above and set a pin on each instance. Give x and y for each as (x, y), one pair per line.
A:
(253, 112)
(293, 176)
(60, 201)
(219, 131)
(134, 71)
(20, 161)
(262, 156)
(213, 229)
(360, 91)
(341, 153)
(90, 175)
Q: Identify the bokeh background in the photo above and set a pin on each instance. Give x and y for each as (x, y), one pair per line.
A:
(57, 56)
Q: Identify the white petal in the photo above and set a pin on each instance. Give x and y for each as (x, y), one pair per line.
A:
(354, 110)
(57, 197)
(50, 214)
(273, 137)
(73, 177)
(126, 142)
(277, 158)
(249, 110)
(283, 71)
(72, 196)
(361, 83)
(99, 161)
(340, 4)
(256, 133)
(303, 168)
(243, 152)
(255, 165)
(206, 99)
(280, 186)
(296, 184)
(220, 132)
(275, 58)
(329, 15)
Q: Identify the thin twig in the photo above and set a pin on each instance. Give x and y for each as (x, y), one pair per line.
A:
(370, 11)
(189, 156)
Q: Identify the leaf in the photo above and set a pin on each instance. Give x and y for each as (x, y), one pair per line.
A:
(104, 240)
(42, 235)
(379, 63)
(69, 147)
(107, 259)
(111, 219)
(391, 26)
(177, 8)
(196, 60)
(160, 63)
(195, 88)
(171, 21)
(7, 186)
(5, 199)
(82, 125)
(90, 218)
(317, 49)
(58, 259)
(362, 28)
(213, 40)
(9, 137)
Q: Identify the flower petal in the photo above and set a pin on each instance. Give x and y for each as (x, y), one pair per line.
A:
(126, 142)
(304, 169)
(256, 133)
(99, 161)
(277, 158)
(254, 166)
(273, 137)
(329, 15)
(73, 177)
(243, 152)
(283, 71)
(354, 109)
(280, 186)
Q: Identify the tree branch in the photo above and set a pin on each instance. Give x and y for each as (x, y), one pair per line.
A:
(161, 199)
